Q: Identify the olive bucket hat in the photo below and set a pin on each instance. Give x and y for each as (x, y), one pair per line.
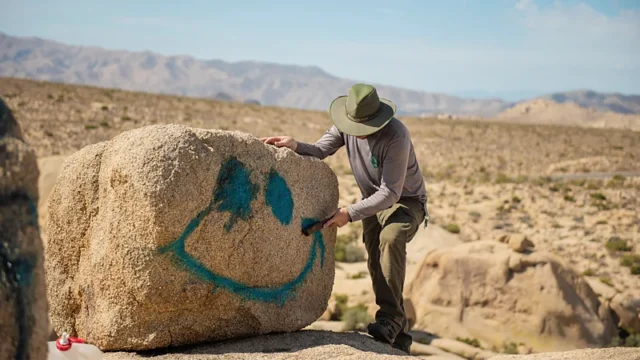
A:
(361, 112)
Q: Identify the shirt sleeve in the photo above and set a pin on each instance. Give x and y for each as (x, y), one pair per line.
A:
(394, 170)
(327, 145)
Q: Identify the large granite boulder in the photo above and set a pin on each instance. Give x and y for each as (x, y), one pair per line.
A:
(170, 235)
(23, 301)
(486, 291)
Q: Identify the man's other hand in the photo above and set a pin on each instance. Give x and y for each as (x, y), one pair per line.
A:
(281, 141)
(340, 219)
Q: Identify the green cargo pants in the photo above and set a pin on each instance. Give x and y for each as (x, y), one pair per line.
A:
(385, 236)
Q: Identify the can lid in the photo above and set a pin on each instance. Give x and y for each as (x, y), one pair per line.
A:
(65, 341)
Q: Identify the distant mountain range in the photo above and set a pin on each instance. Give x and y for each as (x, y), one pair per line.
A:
(248, 81)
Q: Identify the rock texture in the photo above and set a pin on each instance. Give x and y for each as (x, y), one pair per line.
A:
(582, 354)
(23, 302)
(486, 291)
(626, 306)
(307, 344)
(170, 235)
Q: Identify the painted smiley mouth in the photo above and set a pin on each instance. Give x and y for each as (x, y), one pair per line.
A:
(234, 193)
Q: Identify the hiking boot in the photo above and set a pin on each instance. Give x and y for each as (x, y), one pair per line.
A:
(403, 342)
(383, 331)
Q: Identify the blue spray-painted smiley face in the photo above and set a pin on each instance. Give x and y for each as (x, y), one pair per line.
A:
(234, 193)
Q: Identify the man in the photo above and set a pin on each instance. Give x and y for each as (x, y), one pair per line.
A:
(394, 197)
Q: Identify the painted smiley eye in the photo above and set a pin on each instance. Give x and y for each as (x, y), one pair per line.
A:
(278, 197)
(234, 192)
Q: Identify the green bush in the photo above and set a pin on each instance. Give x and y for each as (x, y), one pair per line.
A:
(472, 342)
(589, 272)
(606, 281)
(452, 228)
(615, 243)
(502, 179)
(598, 196)
(510, 348)
(359, 275)
(356, 318)
(632, 340)
(629, 260)
(346, 249)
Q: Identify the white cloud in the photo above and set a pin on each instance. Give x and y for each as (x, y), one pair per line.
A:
(524, 4)
(581, 31)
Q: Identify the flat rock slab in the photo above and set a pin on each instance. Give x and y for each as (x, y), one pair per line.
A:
(306, 344)
(617, 353)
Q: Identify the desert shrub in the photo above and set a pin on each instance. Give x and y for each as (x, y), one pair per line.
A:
(631, 340)
(510, 348)
(90, 126)
(472, 342)
(452, 228)
(631, 261)
(589, 272)
(359, 275)
(502, 179)
(598, 196)
(542, 180)
(354, 253)
(356, 318)
(346, 249)
(607, 281)
(475, 216)
(341, 302)
(569, 198)
(616, 244)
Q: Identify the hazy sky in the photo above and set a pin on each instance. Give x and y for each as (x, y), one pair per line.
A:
(503, 47)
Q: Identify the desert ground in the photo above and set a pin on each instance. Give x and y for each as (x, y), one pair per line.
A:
(572, 191)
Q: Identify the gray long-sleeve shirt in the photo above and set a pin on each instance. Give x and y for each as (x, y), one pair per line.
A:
(384, 165)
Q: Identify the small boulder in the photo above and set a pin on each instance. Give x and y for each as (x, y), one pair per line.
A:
(626, 306)
(168, 235)
(23, 303)
(520, 243)
(517, 242)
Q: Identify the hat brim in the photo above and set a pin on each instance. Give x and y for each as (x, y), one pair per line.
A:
(338, 114)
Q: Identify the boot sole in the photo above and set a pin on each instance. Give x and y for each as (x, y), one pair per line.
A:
(378, 334)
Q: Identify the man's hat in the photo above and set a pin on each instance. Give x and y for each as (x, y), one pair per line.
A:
(362, 112)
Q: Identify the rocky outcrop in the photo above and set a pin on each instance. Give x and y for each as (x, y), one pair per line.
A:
(23, 302)
(486, 291)
(582, 354)
(169, 235)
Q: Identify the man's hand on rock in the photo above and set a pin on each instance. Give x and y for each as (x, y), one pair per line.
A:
(340, 219)
(281, 141)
